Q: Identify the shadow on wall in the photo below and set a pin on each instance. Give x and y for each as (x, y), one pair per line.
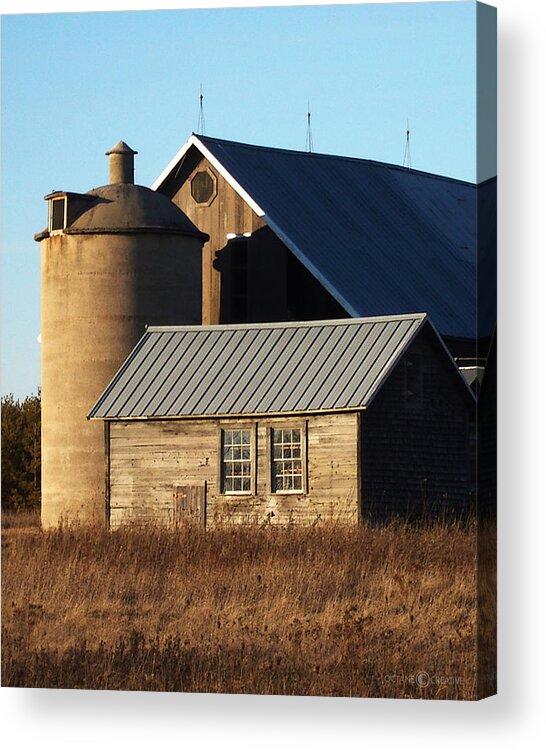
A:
(262, 281)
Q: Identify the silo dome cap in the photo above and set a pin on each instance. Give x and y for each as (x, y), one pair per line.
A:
(123, 209)
(121, 148)
(132, 208)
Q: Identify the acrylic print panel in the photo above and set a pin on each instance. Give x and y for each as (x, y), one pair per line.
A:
(265, 381)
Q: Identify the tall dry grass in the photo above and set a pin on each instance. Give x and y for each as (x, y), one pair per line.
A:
(387, 611)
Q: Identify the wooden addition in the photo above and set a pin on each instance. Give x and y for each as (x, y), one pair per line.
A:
(410, 453)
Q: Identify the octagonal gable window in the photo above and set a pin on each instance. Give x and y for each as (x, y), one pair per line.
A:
(203, 187)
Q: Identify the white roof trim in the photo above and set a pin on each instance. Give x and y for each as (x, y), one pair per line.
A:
(172, 164)
(193, 140)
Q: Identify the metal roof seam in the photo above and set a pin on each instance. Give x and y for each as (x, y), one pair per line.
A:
(159, 343)
(346, 369)
(389, 334)
(119, 374)
(305, 355)
(185, 346)
(271, 355)
(393, 361)
(371, 340)
(294, 366)
(264, 373)
(129, 392)
(218, 382)
(322, 375)
(215, 343)
(253, 350)
(287, 352)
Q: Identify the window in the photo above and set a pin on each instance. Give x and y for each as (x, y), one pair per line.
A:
(287, 460)
(203, 187)
(57, 214)
(413, 382)
(236, 461)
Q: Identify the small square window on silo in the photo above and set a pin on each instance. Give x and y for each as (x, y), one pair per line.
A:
(203, 187)
(57, 214)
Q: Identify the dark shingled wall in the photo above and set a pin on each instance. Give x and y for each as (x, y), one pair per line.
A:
(417, 460)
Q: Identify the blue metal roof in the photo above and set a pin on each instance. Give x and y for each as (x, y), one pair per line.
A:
(381, 238)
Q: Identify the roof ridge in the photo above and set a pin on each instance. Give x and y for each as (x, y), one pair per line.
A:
(321, 155)
(288, 324)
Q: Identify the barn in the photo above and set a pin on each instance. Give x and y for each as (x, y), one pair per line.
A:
(273, 242)
(295, 235)
(288, 423)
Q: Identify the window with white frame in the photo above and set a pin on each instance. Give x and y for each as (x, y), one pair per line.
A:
(236, 461)
(287, 460)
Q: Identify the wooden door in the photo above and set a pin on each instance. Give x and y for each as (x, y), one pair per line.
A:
(189, 505)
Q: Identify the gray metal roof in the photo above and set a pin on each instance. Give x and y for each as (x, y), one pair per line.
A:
(383, 239)
(269, 368)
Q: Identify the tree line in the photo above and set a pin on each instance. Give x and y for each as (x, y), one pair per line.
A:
(21, 453)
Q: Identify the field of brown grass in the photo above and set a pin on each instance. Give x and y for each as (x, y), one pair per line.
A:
(387, 611)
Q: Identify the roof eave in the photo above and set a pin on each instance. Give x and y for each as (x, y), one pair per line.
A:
(229, 416)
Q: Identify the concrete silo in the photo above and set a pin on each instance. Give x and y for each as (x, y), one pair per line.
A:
(113, 260)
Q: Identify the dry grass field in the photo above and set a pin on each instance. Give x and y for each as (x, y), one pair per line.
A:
(387, 611)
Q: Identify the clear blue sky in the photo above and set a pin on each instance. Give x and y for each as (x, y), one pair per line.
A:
(74, 84)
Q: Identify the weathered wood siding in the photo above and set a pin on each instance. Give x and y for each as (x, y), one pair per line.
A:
(279, 287)
(226, 212)
(418, 460)
(150, 459)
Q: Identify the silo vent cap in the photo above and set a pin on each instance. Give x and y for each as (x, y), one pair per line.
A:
(121, 148)
(122, 164)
